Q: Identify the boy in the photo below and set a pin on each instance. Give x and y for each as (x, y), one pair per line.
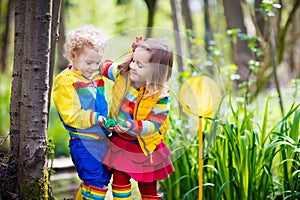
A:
(78, 95)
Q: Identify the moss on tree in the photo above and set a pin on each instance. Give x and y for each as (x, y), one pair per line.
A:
(37, 189)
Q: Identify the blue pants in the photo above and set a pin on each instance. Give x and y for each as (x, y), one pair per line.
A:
(87, 156)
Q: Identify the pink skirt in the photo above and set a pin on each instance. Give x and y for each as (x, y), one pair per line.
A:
(127, 156)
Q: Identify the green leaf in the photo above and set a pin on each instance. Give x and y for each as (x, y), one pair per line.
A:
(221, 190)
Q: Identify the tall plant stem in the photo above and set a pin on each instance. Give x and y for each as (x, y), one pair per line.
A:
(200, 158)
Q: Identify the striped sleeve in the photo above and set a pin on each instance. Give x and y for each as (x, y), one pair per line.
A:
(154, 120)
(110, 70)
(68, 104)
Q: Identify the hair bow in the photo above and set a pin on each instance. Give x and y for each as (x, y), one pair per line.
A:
(137, 40)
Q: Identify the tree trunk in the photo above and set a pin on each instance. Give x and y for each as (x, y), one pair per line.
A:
(240, 51)
(176, 21)
(34, 100)
(56, 5)
(62, 61)
(294, 60)
(16, 91)
(208, 33)
(151, 4)
(284, 31)
(10, 191)
(186, 13)
(29, 100)
(259, 18)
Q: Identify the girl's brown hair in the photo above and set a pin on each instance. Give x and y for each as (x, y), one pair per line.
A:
(161, 60)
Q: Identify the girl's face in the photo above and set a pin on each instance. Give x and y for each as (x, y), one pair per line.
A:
(140, 68)
(87, 61)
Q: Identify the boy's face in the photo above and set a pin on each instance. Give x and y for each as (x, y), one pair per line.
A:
(87, 61)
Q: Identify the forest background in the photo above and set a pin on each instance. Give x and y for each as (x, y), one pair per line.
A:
(253, 47)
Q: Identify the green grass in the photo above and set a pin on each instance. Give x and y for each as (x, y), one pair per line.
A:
(5, 85)
(250, 154)
(65, 188)
(58, 134)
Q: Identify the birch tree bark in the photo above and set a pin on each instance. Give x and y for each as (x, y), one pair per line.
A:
(30, 98)
(34, 100)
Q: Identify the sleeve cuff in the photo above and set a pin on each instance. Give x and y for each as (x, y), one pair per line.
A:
(131, 124)
(95, 121)
(107, 65)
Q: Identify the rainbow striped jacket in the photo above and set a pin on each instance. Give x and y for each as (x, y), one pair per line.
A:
(79, 102)
(148, 115)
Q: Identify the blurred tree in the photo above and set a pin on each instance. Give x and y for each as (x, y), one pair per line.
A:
(208, 31)
(62, 62)
(175, 7)
(259, 19)
(186, 13)
(151, 5)
(294, 52)
(274, 27)
(283, 32)
(30, 101)
(278, 43)
(259, 53)
(240, 51)
(56, 11)
(6, 19)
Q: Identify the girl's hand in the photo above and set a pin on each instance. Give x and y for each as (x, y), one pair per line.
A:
(103, 65)
(122, 129)
(101, 120)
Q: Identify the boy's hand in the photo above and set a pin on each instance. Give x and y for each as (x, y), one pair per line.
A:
(101, 119)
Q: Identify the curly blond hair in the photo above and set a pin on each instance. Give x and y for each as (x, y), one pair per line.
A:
(84, 36)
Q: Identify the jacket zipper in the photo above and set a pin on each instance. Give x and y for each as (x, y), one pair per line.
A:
(119, 106)
(135, 115)
(138, 104)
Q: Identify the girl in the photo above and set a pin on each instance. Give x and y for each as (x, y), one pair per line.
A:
(140, 98)
(78, 95)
